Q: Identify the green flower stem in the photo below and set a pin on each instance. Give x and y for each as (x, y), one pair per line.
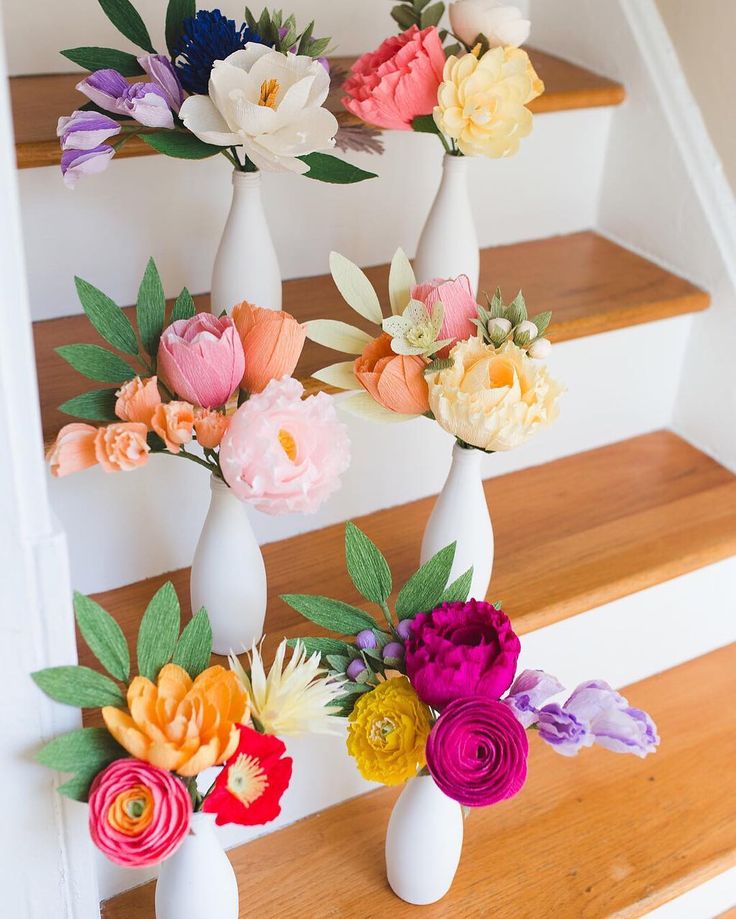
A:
(387, 615)
(233, 159)
(195, 459)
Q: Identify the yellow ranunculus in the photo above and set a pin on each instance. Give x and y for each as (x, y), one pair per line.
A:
(493, 399)
(388, 731)
(482, 101)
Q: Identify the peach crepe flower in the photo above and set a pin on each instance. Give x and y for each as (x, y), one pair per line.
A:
(122, 447)
(137, 400)
(272, 342)
(73, 450)
(174, 423)
(210, 427)
(178, 724)
(460, 307)
(395, 381)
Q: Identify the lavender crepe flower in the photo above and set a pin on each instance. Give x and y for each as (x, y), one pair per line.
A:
(85, 130)
(77, 163)
(143, 101)
(163, 75)
(562, 730)
(529, 691)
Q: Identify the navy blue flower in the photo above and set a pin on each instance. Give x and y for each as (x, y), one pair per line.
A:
(207, 37)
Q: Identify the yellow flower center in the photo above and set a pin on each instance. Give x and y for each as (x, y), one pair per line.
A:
(381, 731)
(246, 779)
(288, 444)
(269, 92)
(132, 811)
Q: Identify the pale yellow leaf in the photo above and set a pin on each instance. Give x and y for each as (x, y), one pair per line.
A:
(356, 289)
(339, 375)
(401, 279)
(338, 335)
(363, 405)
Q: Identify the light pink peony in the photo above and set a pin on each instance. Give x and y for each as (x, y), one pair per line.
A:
(201, 359)
(282, 453)
(460, 307)
(391, 86)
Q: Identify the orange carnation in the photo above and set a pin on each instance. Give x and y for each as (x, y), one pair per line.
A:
(272, 341)
(122, 447)
(210, 427)
(137, 400)
(173, 422)
(396, 381)
(73, 450)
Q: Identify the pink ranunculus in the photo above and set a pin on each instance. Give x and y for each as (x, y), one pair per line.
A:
(282, 453)
(201, 359)
(138, 814)
(391, 86)
(460, 306)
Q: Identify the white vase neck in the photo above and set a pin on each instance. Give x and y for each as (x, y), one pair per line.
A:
(466, 458)
(455, 165)
(246, 181)
(203, 824)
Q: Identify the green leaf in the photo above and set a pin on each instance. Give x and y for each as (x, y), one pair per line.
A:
(542, 321)
(158, 632)
(95, 405)
(337, 662)
(424, 589)
(194, 647)
(516, 311)
(176, 12)
(424, 124)
(184, 308)
(96, 363)
(304, 41)
(330, 614)
(104, 636)
(82, 750)
(405, 16)
(432, 15)
(439, 363)
(318, 47)
(93, 59)
(78, 686)
(77, 788)
(184, 146)
(150, 308)
(458, 591)
(126, 19)
(326, 168)
(353, 689)
(323, 646)
(107, 317)
(366, 565)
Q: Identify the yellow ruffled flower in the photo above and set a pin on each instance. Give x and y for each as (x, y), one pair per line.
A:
(482, 101)
(388, 730)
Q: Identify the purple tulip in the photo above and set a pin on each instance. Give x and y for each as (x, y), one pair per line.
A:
(393, 649)
(78, 163)
(143, 101)
(529, 691)
(366, 639)
(562, 730)
(404, 628)
(85, 130)
(163, 75)
(355, 668)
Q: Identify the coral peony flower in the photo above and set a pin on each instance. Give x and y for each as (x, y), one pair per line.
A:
(137, 400)
(396, 381)
(285, 454)
(272, 341)
(460, 650)
(178, 724)
(477, 752)
(138, 814)
(493, 399)
(210, 427)
(201, 359)
(174, 423)
(387, 732)
(391, 86)
(460, 307)
(248, 790)
(73, 450)
(500, 25)
(481, 103)
(528, 692)
(122, 447)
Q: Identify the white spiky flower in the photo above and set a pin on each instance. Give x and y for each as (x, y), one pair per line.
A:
(296, 699)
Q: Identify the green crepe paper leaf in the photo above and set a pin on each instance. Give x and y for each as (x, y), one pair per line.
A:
(322, 646)
(330, 614)
(432, 15)
(419, 4)
(424, 589)
(158, 632)
(104, 637)
(337, 662)
(459, 590)
(78, 686)
(95, 405)
(126, 19)
(355, 689)
(83, 750)
(183, 146)
(176, 12)
(194, 647)
(424, 124)
(304, 40)
(318, 47)
(107, 317)
(405, 16)
(542, 321)
(326, 168)
(516, 311)
(184, 307)
(366, 565)
(96, 363)
(94, 59)
(77, 788)
(150, 308)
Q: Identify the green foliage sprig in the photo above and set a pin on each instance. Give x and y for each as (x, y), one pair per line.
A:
(420, 13)
(514, 314)
(270, 25)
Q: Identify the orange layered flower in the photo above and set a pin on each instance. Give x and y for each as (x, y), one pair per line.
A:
(137, 400)
(174, 422)
(178, 724)
(272, 342)
(210, 427)
(73, 450)
(122, 447)
(395, 381)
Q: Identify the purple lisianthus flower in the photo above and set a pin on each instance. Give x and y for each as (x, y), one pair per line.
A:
(85, 130)
(366, 639)
(163, 75)
(562, 730)
(143, 101)
(529, 691)
(78, 163)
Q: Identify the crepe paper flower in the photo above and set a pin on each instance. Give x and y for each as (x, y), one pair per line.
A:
(529, 691)
(387, 732)
(144, 102)
(298, 698)
(73, 450)
(272, 341)
(562, 730)
(459, 307)
(178, 724)
(85, 130)
(395, 381)
(210, 427)
(138, 814)
(500, 25)
(122, 447)
(207, 37)
(493, 399)
(481, 103)
(163, 75)
(78, 163)
(268, 103)
(539, 349)
(174, 424)
(417, 330)
(366, 638)
(248, 791)
(137, 400)
(201, 359)
(477, 752)
(394, 84)
(354, 669)
(282, 453)
(460, 650)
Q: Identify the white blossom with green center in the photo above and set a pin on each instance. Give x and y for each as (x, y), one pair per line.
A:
(415, 331)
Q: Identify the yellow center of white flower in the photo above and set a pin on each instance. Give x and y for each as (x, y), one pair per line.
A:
(269, 92)
(420, 335)
(288, 444)
(246, 779)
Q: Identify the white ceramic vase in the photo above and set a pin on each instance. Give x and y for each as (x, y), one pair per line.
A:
(246, 265)
(228, 575)
(424, 842)
(198, 880)
(448, 246)
(460, 515)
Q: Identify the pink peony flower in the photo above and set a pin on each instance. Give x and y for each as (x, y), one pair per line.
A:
(201, 359)
(460, 307)
(282, 453)
(138, 814)
(391, 86)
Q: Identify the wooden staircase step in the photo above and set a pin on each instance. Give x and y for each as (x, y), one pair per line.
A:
(598, 835)
(602, 287)
(39, 99)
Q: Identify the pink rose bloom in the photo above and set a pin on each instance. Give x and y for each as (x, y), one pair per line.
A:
(201, 359)
(282, 453)
(391, 86)
(460, 307)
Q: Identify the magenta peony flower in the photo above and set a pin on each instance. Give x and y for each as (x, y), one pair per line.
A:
(477, 751)
(459, 304)
(201, 359)
(460, 650)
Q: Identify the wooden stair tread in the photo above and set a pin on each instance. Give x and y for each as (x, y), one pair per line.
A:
(38, 100)
(602, 287)
(598, 835)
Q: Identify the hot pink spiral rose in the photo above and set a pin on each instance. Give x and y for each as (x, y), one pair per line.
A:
(459, 303)
(389, 87)
(201, 359)
(138, 814)
(477, 752)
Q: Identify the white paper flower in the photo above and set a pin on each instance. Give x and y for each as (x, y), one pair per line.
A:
(501, 25)
(415, 331)
(268, 103)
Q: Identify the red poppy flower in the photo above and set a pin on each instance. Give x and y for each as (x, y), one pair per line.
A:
(248, 790)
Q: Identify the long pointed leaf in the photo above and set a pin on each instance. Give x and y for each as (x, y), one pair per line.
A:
(78, 686)
(367, 567)
(107, 317)
(184, 307)
(93, 59)
(424, 590)
(96, 363)
(150, 308)
(158, 632)
(331, 614)
(95, 405)
(127, 20)
(104, 636)
(194, 647)
(176, 12)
